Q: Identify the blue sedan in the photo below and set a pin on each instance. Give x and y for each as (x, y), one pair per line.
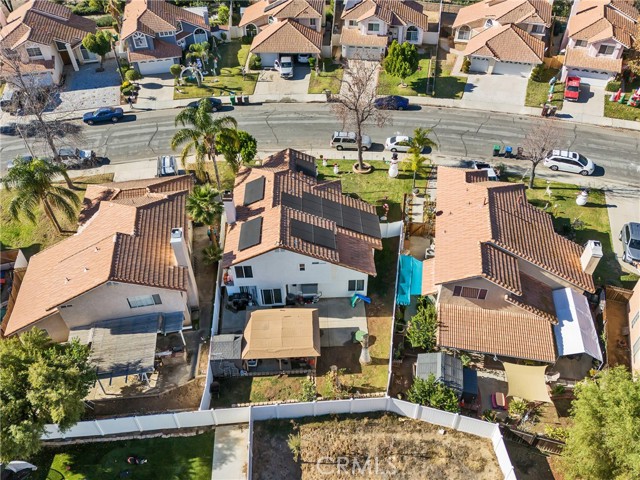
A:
(392, 102)
(105, 114)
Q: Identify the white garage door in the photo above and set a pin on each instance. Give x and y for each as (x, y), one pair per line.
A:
(365, 53)
(479, 65)
(151, 67)
(513, 68)
(268, 59)
(591, 77)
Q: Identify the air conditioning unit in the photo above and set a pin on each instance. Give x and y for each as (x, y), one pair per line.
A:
(591, 256)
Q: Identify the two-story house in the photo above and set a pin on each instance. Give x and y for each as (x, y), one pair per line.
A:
(289, 234)
(156, 32)
(283, 27)
(506, 37)
(597, 35)
(369, 26)
(43, 37)
(122, 279)
(506, 283)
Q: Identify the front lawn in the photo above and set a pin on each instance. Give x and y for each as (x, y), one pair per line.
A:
(538, 92)
(179, 458)
(258, 389)
(328, 79)
(623, 111)
(232, 57)
(447, 86)
(416, 84)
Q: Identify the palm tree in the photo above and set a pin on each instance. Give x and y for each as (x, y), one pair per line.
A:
(199, 50)
(211, 254)
(199, 135)
(204, 206)
(421, 139)
(33, 183)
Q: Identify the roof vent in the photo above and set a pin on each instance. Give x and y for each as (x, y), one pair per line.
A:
(85, 269)
(66, 280)
(96, 249)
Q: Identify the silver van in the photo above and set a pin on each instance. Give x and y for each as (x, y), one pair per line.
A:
(347, 141)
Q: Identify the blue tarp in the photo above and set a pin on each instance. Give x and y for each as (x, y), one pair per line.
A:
(409, 279)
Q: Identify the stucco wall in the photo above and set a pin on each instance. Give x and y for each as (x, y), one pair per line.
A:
(494, 300)
(55, 327)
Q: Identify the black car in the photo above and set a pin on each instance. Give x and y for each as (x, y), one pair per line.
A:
(392, 102)
(8, 129)
(104, 114)
(215, 103)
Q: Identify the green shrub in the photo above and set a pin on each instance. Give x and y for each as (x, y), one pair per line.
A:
(223, 36)
(556, 433)
(558, 390)
(312, 62)
(613, 86)
(175, 69)
(518, 407)
(88, 7)
(105, 21)
(132, 75)
(329, 17)
(255, 63)
(466, 65)
(421, 332)
(246, 40)
(536, 73)
(308, 393)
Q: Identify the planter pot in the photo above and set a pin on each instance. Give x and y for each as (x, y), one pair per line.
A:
(367, 168)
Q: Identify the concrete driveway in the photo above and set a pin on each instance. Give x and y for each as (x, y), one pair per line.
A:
(270, 82)
(156, 91)
(623, 205)
(87, 89)
(590, 103)
(494, 89)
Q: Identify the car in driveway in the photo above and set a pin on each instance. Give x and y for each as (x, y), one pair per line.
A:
(104, 114)
(566, 161)
(399, 143)
(391, 102)
(214, 103)
(304, 58)
(347, 141)
(285, 66)
(572, 89)
(630, 237)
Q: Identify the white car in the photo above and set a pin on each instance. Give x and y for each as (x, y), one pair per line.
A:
(303, 57)
(566, 161)
(491, 173)
(399, 143)
(284, 66)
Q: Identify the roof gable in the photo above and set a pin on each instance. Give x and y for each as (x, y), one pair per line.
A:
(596, 20)
(507, 43)
(153, 16)
(392, 12)
(505, 12)
(282, 36)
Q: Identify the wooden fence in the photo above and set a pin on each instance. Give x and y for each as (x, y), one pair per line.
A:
(544, 444)
(554, 62)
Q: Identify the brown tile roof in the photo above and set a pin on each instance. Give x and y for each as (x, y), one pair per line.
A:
(18, 276)
(253, 13)
(536, 298)
(505, 12)
(580, 58)
(470, 214)
(428, 277)
(507, 43)
(596, 20)
(500, 268)
(153, 16)
(392, 12)
(353, 250)
(296, 9)
(352, 36)
(126, 241)
(287, 36)
(161, 50)
(502, 332)
(33, 66)
(42, 21)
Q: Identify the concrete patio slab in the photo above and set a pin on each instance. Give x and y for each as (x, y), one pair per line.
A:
(503, 90)
(230, 453)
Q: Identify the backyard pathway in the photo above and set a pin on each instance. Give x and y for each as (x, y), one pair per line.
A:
(231, 453)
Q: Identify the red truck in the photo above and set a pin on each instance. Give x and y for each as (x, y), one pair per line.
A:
(572, 89)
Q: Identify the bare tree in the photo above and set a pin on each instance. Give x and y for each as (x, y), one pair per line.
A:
(537, 143)
(354, 105)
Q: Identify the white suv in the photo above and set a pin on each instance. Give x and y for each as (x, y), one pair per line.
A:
(566, 161)
(347, 141)
(284, 66)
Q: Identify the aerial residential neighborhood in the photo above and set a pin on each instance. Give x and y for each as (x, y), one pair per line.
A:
(304, 239)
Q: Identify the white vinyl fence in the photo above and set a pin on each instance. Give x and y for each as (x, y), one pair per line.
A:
(202, 418)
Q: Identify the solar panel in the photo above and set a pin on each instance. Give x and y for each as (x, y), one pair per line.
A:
(302, 230)
(254, 191)
(291, 201)
(332, 210)
(351, 218)
(311, 204)
(324, 237)
(250, 233)
(370, 224)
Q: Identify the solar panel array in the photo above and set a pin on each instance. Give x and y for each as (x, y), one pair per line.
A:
(250, 233)
(345, 216)
(313, 234)
(254, 191)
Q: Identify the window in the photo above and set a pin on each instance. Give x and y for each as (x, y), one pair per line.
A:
(488, 23)
(353, 23)
(373, 27)
(271, 20)
(412, 34)
(179, 26)
(537, 29)
(464, 33)
(251, 30)
(166, 34)
(312, 22)
(302, 267)
(636, 347)
(139, 40)
(581, 43)
(244, 272)
(271, 296)
(144, 301)
(61, 46)
(470, 292)
(34, 52)
(606, 50)
(356, 285)
(635, 320)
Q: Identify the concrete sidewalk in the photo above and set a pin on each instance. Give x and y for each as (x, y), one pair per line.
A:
(231, 453)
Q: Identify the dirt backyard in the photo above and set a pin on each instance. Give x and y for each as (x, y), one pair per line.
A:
(376, 446)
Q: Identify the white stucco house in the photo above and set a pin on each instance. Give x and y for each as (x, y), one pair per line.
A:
(290, 234)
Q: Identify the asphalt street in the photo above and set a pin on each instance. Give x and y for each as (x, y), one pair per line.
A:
(465, 133)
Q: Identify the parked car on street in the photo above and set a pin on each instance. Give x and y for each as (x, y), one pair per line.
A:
(392, 102)
(630, 237)
(215, 103)
(566, 161)
(572, 89)
(8, 129)
(285, 66)
(491, 172)
(74, 158)
(399, 143)
(347, 141)
(303, 57)
(167, 166)
(20, 158)
(104, 114)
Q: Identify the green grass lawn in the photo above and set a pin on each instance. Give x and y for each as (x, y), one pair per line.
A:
(537, 92)
(258, 389)
(233, 56)
(330, 78)
(179, 458)
(446, 85)
(416, 84)
(623, 112)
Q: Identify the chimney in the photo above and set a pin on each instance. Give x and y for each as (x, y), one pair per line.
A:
(229, 206)
(591, 256)
(183, 259)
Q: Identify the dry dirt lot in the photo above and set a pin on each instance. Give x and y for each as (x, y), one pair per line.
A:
(396, 447)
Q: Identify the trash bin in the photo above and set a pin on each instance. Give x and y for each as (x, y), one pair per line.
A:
(246, 99)
(232, 97)
(239, 99)
(496, 150)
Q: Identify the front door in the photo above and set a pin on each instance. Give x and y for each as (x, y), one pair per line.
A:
(65, 57)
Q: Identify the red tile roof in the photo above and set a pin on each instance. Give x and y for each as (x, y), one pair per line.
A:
(161, 50)
(392, 12)
(154, 16)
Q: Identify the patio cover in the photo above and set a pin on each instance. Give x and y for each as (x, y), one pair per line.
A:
(445, 368)
(527, 382)
(409, 279)
(575, 332)
(282, 333)
(123, 346)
